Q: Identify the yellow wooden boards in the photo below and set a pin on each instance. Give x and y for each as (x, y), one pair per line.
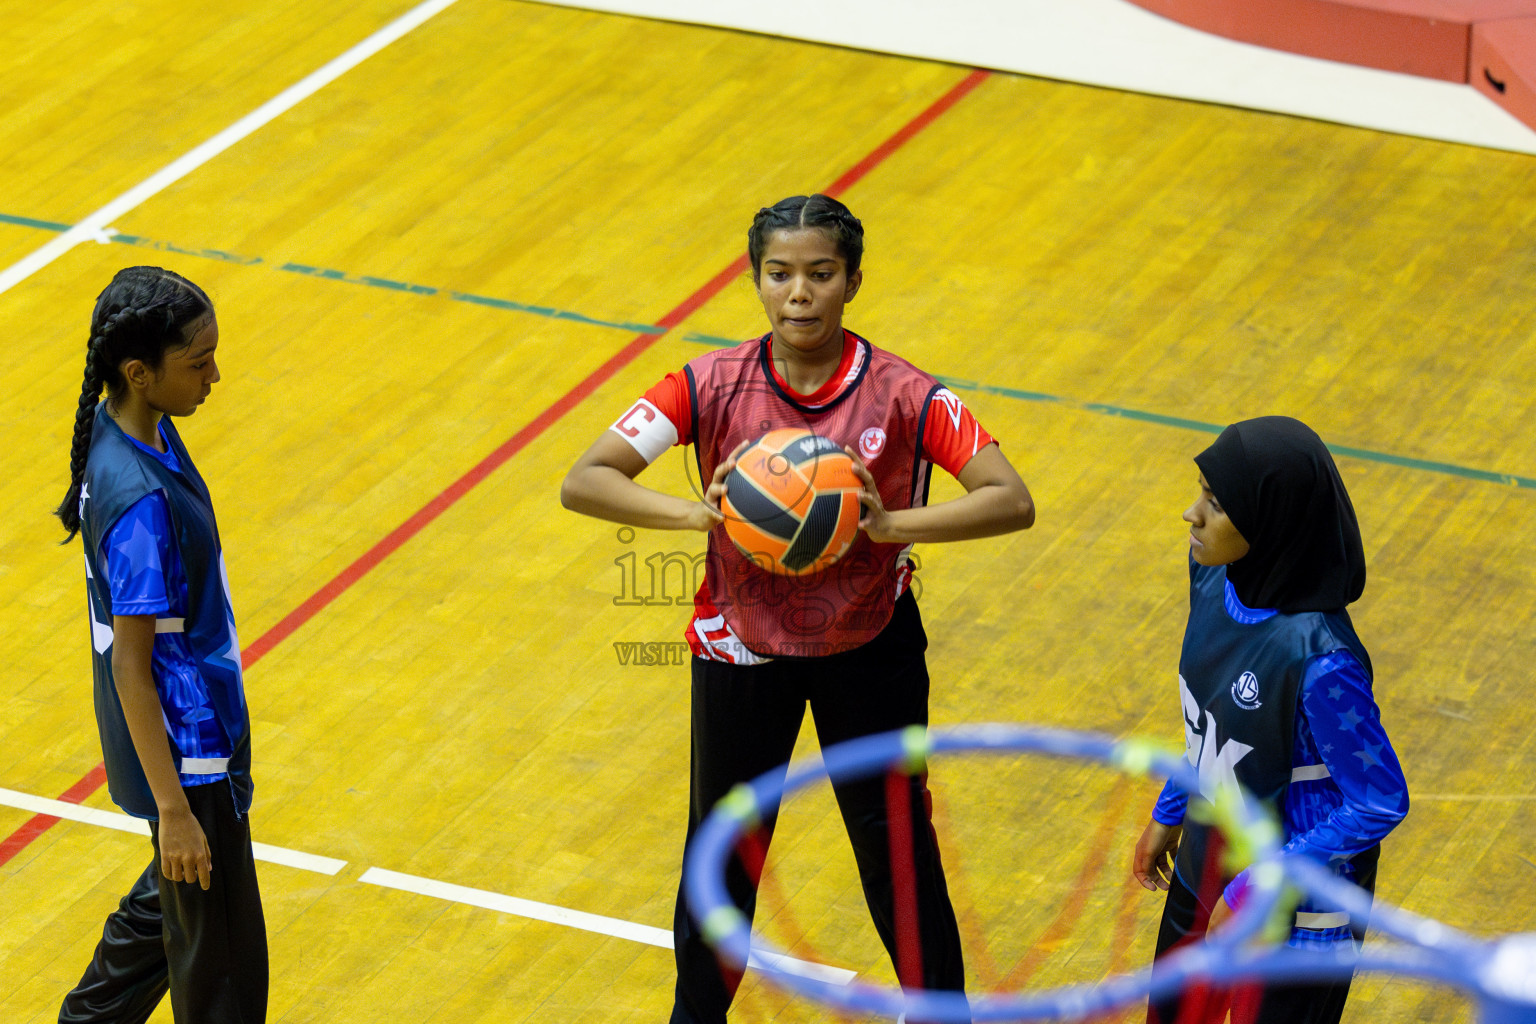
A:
(1091, 270)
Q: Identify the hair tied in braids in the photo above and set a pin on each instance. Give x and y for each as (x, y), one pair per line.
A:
(144, 312)
(818, 211)
(122, 319)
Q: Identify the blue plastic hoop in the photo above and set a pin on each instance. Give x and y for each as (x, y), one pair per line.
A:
(1501, 974)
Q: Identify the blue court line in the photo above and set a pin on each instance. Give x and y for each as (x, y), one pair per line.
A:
(1425, 465)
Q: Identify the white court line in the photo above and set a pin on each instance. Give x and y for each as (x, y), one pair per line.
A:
(1474, 797)
(586, 922)
(610, 926)
(138, 826)
(96, 226)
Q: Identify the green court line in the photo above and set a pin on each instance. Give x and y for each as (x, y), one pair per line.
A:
(1425, 465)
(329, 274)
(372, 282)
(556, 314)
(1447, 468)
(29, 222)
(207, 254)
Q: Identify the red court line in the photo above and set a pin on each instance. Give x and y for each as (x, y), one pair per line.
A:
(911, 128)
(40, 823)
(1124, 935)
(973, 938)
(1123, 942)
(397, 537)
(899, 826)
(30, 830)
(1100, 846)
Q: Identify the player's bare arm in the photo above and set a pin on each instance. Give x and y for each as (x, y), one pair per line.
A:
(602, 484)
(996, 501)
(184, 854)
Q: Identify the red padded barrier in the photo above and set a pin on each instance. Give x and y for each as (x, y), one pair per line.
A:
(1504, 65)
(1429, 38)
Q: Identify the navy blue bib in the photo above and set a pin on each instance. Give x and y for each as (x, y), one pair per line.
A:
(1238, 686)
(117, 474)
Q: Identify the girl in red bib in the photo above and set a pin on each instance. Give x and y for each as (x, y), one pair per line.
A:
(847, 641)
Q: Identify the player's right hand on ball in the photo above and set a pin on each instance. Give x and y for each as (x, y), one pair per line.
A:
(716, 489)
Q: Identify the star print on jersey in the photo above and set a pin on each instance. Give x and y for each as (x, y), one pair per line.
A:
(101, 635)
(101, 632)
(1367, 755)
(1365, 794)
(136, 553)
(145, 577)
(1214, 761)
(229, 654)
(85, 492)
(1332, 816)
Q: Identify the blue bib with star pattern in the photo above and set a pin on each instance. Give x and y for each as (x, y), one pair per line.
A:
(1239, 682)
(118, 474)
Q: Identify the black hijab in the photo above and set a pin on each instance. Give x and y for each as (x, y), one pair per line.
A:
(1276, 481)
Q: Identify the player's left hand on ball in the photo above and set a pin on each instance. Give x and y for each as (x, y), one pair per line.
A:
(876, 520)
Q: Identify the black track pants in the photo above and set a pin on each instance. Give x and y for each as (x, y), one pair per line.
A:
(745, 720)
(1321, 1003)
(208, 949)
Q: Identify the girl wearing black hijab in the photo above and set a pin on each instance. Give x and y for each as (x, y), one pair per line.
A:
(1276, 693)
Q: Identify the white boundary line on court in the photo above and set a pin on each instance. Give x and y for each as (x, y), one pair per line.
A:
(1477, 797)
(138, 826)
(546, 912)
(579, 919)
(96, 227)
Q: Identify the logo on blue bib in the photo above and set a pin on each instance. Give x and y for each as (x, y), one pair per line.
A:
(1246, 691)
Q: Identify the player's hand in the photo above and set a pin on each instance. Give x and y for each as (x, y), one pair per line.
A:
(710, 515)
(184, 853)
(1152, 863)
(876, 520)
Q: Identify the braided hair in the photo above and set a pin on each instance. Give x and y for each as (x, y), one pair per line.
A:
(142, 314)
(796, 212)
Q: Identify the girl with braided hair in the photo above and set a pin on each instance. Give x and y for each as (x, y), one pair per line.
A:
(846, 641)
(170, 702)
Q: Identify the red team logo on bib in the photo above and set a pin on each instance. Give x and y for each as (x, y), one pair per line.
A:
(871, 442)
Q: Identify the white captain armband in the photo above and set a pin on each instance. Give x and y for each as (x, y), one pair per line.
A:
(647, 429)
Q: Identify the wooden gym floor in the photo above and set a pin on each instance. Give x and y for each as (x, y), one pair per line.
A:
(483, 242)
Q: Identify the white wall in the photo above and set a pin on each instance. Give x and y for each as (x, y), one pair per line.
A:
(1115, 43)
